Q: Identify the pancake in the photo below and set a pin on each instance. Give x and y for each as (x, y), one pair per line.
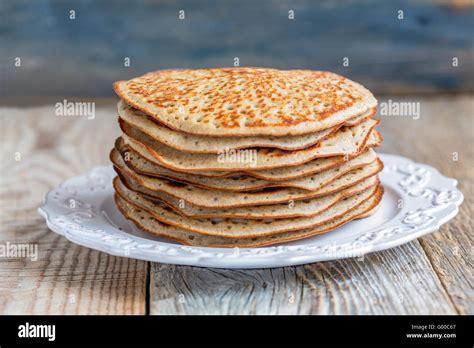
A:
(368, 213)
(225, 199)
(245, 157)
(302, 208)
(246, 228)
(312, 167)
(346, 141)
(148, 223)
(277, 174)
(204, 144)
(241, 183)
(246, 101)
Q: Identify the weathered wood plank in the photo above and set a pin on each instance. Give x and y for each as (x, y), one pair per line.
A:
(71, 279)
(83, 56)
(443, 137)
(398, 281)
(66, 278)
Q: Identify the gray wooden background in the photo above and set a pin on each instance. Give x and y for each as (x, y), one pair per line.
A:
(81, 57)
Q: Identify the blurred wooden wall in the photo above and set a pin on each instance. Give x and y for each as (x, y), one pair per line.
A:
(82, 57)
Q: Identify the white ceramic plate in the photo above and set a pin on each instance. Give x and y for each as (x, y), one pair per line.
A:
(417, 200)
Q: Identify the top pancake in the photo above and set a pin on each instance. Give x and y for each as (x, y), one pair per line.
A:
(246, 101)
(207, 144)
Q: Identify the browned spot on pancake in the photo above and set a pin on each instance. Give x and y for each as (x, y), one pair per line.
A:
(175, 183)
(263, 97)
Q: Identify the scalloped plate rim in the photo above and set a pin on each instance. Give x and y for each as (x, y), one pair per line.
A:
(259, 258)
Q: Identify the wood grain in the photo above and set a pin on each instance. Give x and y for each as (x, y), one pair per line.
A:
(430, 276)
(85, 55)
(66, 278)
(444, 130)
(381, 283)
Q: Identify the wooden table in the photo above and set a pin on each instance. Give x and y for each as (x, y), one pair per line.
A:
(432, 275)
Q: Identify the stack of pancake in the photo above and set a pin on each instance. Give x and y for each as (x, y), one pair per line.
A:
(245, 157)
